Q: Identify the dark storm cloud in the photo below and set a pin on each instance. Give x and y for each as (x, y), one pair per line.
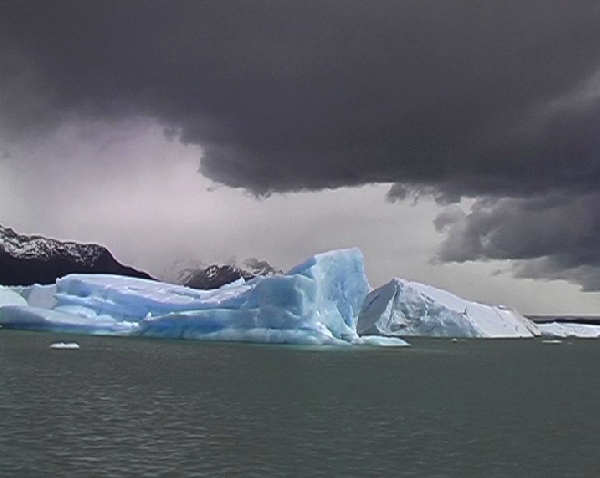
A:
(553, 236)
(308, 95)
(444, 98)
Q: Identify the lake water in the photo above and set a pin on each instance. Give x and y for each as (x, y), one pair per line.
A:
(131, 407)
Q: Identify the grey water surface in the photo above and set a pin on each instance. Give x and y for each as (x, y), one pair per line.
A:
(152, 408)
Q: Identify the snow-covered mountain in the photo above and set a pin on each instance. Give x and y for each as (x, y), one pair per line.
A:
(216, 276)
(26, 260)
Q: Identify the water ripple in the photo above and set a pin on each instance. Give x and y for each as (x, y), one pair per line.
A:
(120, 407)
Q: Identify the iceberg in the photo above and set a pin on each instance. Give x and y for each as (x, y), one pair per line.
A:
(569, 329)
(315, 303)
(403, 308)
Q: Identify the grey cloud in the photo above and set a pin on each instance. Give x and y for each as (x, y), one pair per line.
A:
(551, 237)
(587, 276)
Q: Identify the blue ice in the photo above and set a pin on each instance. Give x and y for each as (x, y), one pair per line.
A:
(315, 303)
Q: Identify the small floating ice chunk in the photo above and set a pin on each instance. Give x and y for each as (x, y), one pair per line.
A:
(65, 345)
(552, 341)
(380, 341)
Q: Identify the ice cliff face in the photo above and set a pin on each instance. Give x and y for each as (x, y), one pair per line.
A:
(26, 260)
(403, 308)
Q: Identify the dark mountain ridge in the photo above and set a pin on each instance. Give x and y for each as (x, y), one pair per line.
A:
(35, 259)
(27, 260)
(216, 276)
(568, 319)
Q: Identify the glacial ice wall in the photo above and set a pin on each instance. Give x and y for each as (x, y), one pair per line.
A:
(402, 308)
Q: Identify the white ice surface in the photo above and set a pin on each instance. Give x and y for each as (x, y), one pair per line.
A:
(564, 330)
(65, 346)
(10, 297)
(404, 308)
(38, 295)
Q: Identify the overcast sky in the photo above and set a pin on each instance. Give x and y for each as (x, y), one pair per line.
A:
(181, 131)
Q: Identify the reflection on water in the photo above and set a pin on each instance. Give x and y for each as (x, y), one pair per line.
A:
(127, 407)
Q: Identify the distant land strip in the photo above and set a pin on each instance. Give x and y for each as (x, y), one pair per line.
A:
(573, 319)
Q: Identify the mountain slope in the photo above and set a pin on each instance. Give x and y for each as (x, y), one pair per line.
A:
(27, 260)
(216, 276)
